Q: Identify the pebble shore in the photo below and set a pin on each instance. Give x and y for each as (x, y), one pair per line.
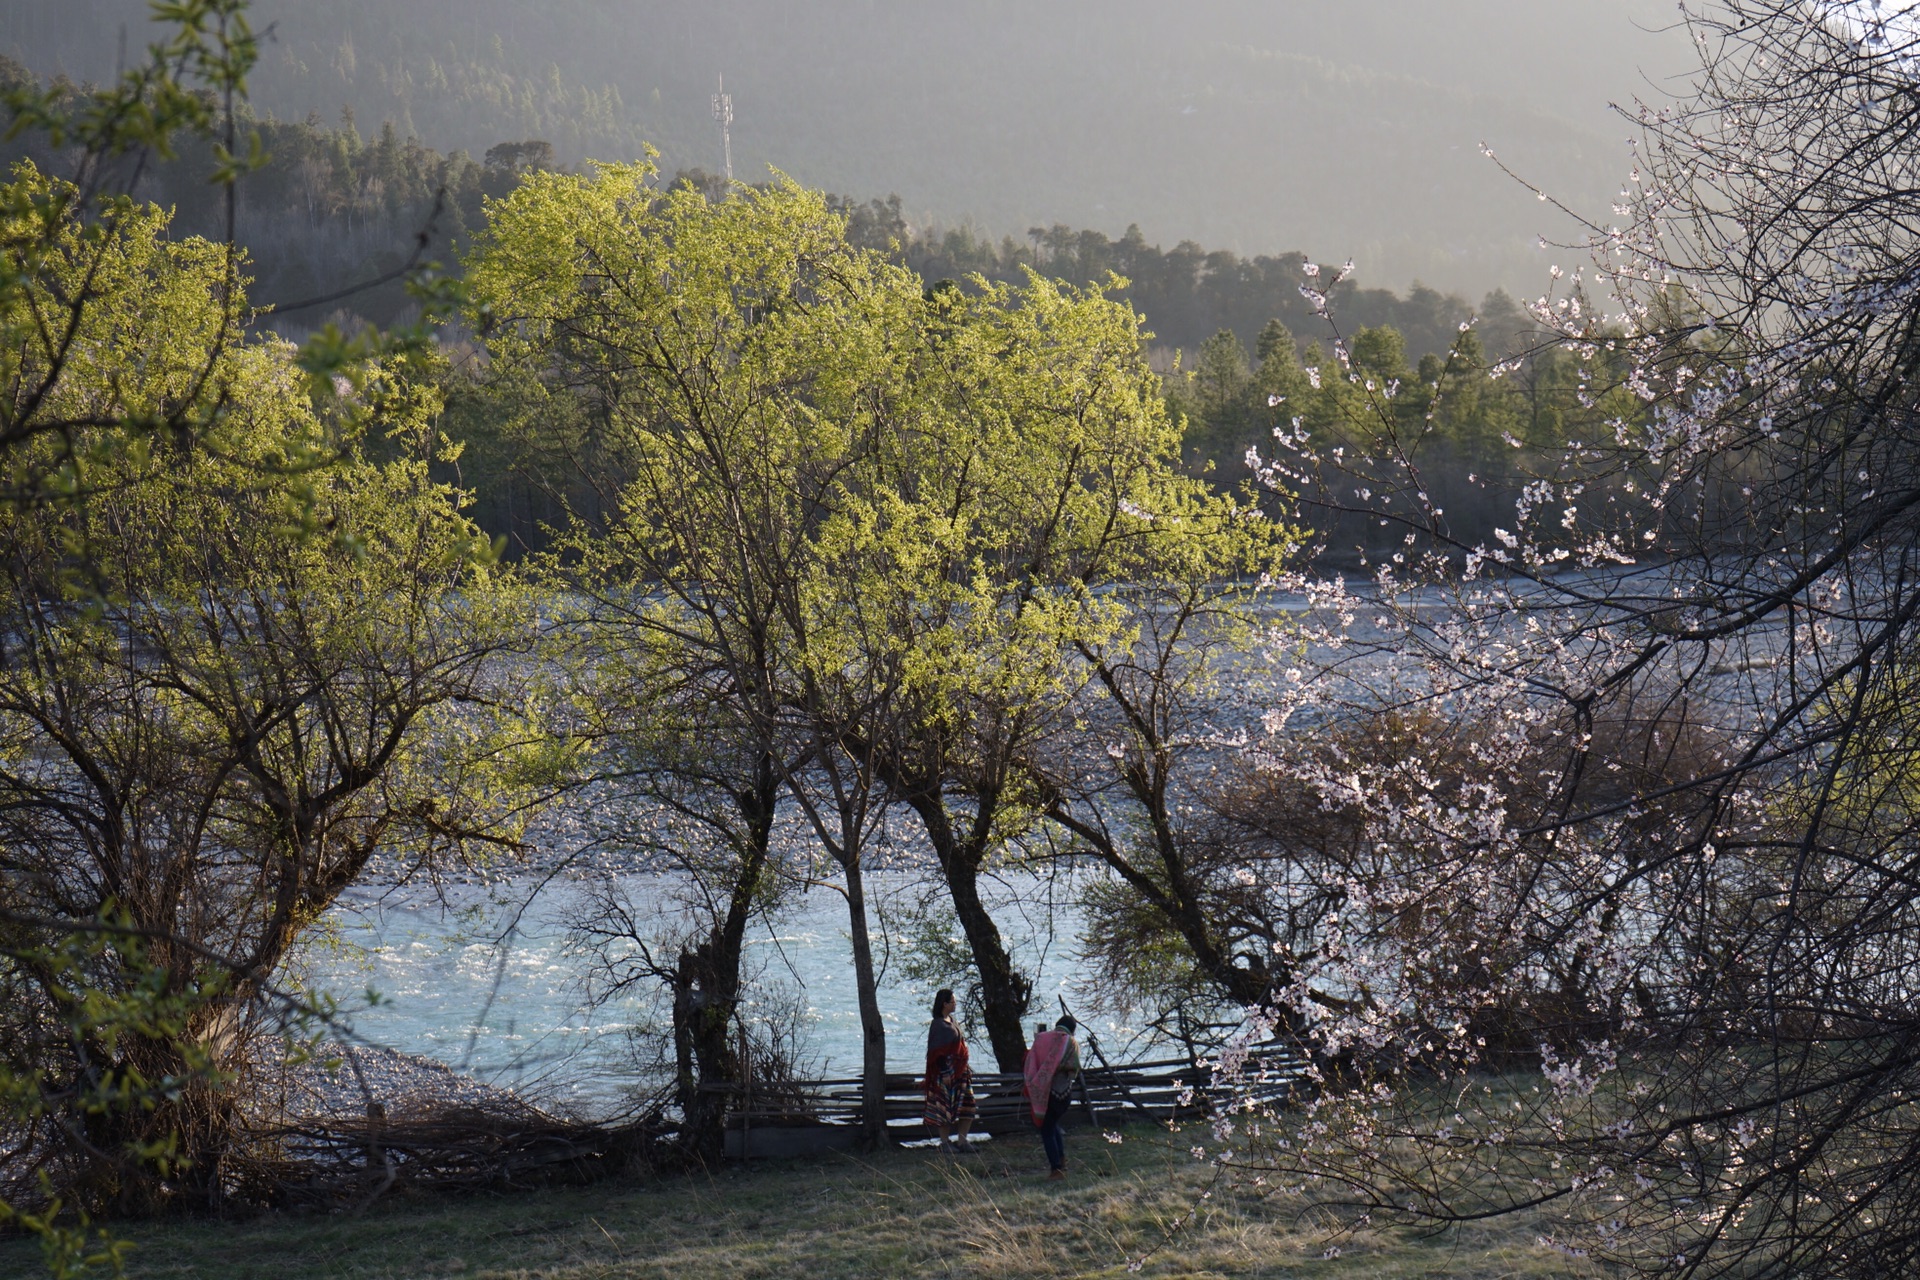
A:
(326, 1087)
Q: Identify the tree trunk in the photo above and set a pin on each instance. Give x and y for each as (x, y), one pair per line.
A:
(706, 992)
(873, 1073)
(1174, 895)
(1004, 990)
(194, 1128)
(713, 972)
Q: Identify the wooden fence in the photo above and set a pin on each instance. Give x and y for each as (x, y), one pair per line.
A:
(815, 1115)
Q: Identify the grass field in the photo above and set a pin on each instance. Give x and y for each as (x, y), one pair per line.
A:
(903, 1213)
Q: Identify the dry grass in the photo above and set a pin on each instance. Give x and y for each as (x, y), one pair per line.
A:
(903, 1213)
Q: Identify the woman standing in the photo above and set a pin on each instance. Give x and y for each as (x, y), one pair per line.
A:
(949, 1083)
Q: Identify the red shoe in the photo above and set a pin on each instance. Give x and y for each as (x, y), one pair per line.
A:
(1057, 1175)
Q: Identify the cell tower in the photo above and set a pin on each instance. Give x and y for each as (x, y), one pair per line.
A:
(723, 112)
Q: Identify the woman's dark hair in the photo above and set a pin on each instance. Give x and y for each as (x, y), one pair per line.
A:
(940, 997)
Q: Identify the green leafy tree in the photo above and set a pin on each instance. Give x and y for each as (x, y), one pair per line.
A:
(1051, 500)
(719, 368)
(1026, 481)
(882, 521)
(239, 653)
(1218, 397)
(1132, 789)
(230, 682)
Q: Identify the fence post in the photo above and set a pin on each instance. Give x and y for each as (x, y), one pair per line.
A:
(746, 1097)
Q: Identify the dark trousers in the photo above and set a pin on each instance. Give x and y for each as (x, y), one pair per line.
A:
(1052, 1136)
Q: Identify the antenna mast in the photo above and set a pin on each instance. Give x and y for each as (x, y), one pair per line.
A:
(723, 112)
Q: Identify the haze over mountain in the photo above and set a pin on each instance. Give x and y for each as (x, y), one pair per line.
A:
(1260, 126)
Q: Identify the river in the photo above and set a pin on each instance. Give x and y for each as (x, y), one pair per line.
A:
(481, 978)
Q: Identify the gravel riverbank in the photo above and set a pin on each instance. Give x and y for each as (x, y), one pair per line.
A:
(327, 1087)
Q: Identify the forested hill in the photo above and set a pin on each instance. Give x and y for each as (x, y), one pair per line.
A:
(332, 208)
(1242, 124)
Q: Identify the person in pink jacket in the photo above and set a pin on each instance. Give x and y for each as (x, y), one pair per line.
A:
(1053, 1064)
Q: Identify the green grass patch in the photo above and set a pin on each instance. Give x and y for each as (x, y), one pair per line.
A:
(901, 1213)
